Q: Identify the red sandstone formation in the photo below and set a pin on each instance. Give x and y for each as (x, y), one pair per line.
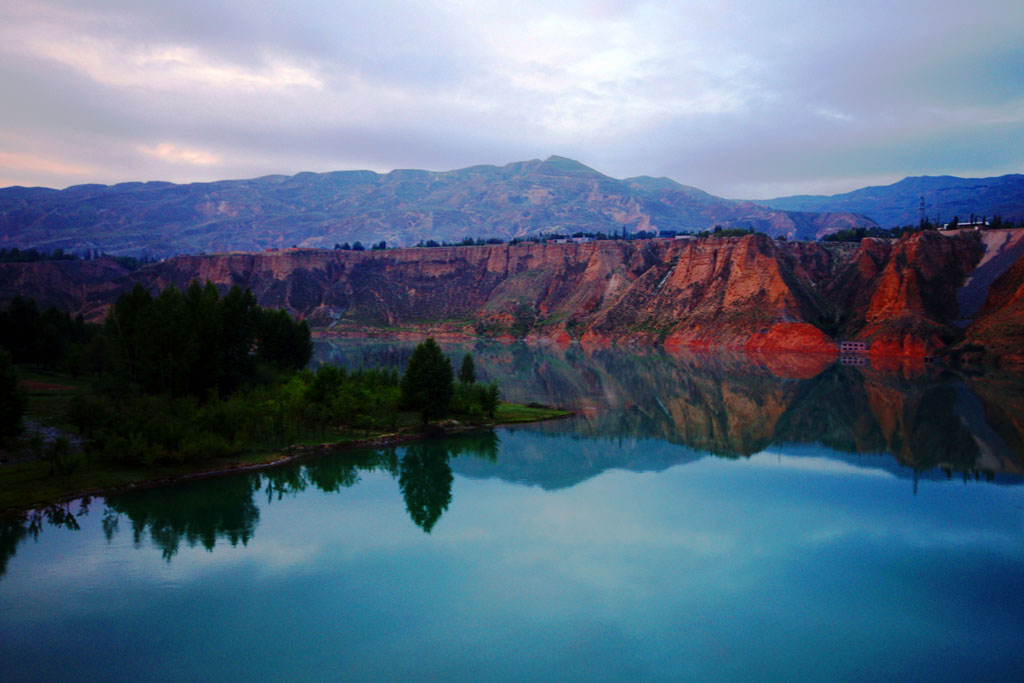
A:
(901, 300)
(748, 293)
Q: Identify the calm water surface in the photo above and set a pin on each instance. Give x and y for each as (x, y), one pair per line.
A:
(703, 518)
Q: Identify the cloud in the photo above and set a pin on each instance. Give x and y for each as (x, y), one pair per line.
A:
(15, 161)
(739, 98)
(175, 154)
(162, 67)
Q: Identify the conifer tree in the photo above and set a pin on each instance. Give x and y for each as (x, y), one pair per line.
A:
(427, 386)
(467, 373)
(12, 399)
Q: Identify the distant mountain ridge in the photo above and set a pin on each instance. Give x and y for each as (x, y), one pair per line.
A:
(403, 207)
(899, 203)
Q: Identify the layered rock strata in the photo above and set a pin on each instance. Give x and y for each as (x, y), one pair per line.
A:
(751, 293)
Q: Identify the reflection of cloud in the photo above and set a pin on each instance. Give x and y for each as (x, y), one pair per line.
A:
(815, 465)
(176, 154)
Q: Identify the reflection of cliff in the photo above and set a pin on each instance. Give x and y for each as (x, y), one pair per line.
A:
(737, 405)
(639, 412)
(1000, 406)
(832, 409)
(919, 421)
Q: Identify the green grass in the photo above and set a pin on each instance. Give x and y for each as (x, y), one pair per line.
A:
(510, 413)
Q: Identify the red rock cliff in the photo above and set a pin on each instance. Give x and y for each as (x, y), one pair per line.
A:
(743, 292)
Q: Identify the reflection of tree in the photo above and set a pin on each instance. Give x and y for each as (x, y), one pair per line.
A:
(482, 444)
(223, 508)
(425, 479)
(14, 531)
(333, 474)
(284, 481)
(199, 512)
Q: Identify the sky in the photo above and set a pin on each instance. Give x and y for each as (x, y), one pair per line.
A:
(742, 99)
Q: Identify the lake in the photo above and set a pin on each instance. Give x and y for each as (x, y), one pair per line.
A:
(702, 517)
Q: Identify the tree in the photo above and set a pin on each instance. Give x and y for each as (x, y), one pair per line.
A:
(283, 342)
(492, 397)
(467, 373)
(12, 399)
(427, 386)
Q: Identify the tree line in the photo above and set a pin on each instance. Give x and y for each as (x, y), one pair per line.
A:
(189, 375)
(16, 255)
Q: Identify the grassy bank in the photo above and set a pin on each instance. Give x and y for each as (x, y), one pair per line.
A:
(29, 483)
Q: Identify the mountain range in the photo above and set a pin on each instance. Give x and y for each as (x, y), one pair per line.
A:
(403, 207)
(900, 203)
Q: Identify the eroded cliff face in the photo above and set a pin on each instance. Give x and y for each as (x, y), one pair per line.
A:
(68, 285)
(1000, 326)
(900, 297)
(749, 293)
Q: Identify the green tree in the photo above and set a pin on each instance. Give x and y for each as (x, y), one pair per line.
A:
(12, 399)
(427, 386)
(282, 341)
(491, 399)
(467, 373)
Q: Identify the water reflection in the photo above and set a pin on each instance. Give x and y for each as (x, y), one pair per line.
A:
(926, 416)
(203, 512)
(30, 524)
(198, 514)
(643, 411)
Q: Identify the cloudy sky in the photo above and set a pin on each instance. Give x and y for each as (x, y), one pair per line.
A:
(743, 99)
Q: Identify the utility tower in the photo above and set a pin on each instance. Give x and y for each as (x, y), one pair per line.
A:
(921, 212)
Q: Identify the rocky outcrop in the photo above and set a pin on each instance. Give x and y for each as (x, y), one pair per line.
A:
(1000, 326)
(748, 292)
(751, 293)
(901, 298)
(68, 285)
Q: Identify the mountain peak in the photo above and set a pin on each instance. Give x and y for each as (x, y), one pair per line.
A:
(564, 165)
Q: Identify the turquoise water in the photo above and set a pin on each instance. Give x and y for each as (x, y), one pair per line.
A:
(701, 519)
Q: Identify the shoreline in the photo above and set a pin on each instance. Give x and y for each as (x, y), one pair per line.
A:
(291, 454)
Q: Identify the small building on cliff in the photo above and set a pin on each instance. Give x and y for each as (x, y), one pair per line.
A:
(853, 347)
